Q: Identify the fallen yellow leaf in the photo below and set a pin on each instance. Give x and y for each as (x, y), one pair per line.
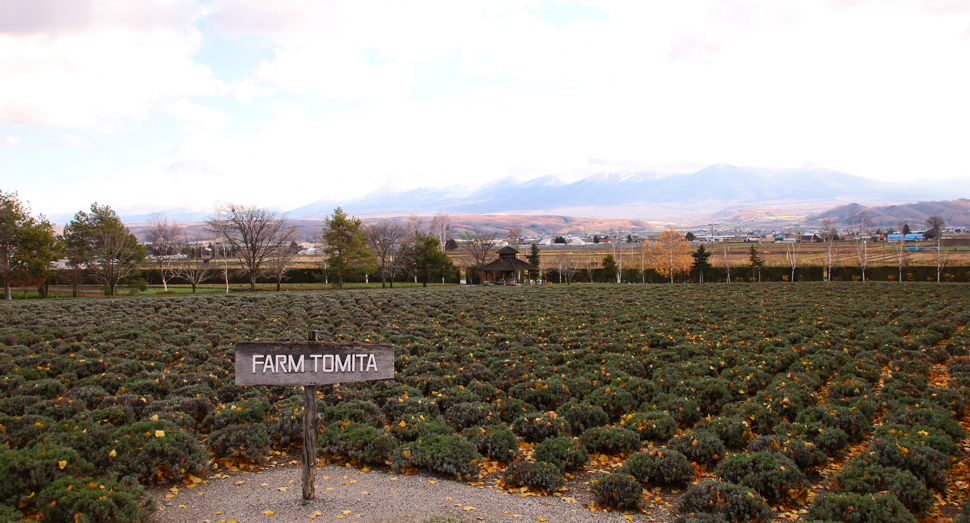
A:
(268, 512)
(159, 433)
(112, 454)
(62, 464)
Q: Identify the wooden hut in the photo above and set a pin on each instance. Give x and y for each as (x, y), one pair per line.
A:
(504, 269)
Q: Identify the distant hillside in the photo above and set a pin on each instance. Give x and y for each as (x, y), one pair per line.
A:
(531, 225)
(955, 212)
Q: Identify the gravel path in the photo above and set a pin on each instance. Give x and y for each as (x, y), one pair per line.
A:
(348, 494)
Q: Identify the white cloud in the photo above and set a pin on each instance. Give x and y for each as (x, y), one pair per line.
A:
(206, 117)
(11, 141)
(873, 88)
(335, 74)
(103, 73)
(72, 140)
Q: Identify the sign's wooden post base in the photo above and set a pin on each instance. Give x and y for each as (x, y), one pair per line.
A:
(309, 364)
(309, 434)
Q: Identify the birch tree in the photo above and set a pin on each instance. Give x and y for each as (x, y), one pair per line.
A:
(644, 252)
(440, 228)
(616, 247)
(828, 235)
(861, 224)
(672, 253)
(194, 269)
(935, 224)
(164, 238)
(791, 252)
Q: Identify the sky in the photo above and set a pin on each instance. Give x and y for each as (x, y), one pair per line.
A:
(157, 105)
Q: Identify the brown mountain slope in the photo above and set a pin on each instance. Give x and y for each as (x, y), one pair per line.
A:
(955, 212)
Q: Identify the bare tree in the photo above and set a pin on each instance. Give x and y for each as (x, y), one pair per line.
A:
(861, 224)
(385, 238)
(565, 266)
(194, 269)
(514, 235)
(414, 224)
(166, 252)
(590, 263)
(278, 264)
(479, 246)
(440, 228)
(252, 232)
(936, 225)
(828, 234)
(727, 264)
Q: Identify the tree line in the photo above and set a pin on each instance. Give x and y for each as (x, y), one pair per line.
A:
(241, 240)
(257, 242)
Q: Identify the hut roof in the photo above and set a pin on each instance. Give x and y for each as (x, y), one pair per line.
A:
(508, 264)
(508, 249)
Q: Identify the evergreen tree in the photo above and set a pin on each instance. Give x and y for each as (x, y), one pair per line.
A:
(757, 262)
(533, 258)
(346, 247)
(702, 262)
(610, 268)
(13, 217)
(38, 247)
(27, 245)
(105, 245)
(428, 259)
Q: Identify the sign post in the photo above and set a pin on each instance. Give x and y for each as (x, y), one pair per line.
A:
(309, 364)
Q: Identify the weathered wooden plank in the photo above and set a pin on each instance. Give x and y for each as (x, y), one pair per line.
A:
(309, 435)
(311, 363)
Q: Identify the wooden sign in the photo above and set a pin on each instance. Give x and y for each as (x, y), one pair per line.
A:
(312, 363)
(309, 364)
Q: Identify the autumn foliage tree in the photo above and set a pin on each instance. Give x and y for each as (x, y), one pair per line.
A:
(671, 253)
